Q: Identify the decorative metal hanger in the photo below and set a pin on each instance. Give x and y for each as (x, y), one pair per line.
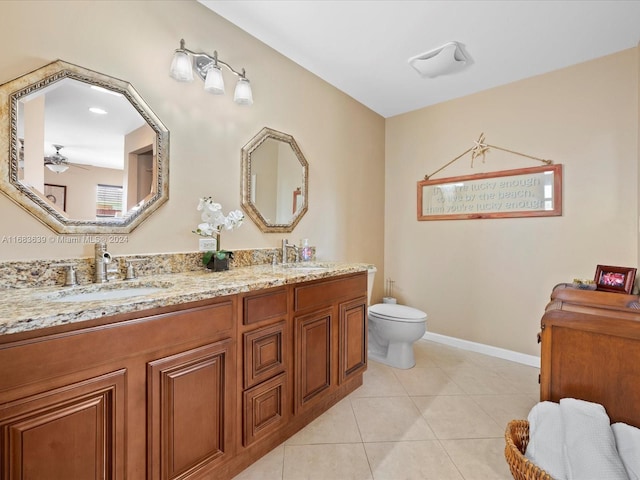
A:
(480, 149)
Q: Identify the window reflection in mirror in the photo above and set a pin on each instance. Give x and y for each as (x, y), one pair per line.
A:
(274, 181)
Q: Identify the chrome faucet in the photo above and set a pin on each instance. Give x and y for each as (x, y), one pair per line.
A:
(102, 259)
(286, 245)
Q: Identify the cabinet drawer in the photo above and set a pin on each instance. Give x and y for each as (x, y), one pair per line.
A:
(324, 293)
(263, 353)
(264, 409)
(262, 307)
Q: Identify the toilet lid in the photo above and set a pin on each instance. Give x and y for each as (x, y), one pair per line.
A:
(398, 313)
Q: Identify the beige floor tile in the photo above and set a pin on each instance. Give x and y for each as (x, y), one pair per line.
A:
(423, 354)
(379, 381)
(387, 419)
(268, 467)
(457, 416)
(524, 379)
(487, 360)
(427, 381)
(479, 459)
(326, 462)
(336, 425)
(444, 355)
(410, 461)
(476, 380)
(504, 408)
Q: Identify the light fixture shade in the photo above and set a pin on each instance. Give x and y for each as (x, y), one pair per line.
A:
(181, 67)
(243, 94)
(214, 83)
(58, 167)
(444, 60)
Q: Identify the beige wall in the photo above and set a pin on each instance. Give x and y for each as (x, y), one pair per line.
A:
(342, 140)
(488, 281)
(481, 280)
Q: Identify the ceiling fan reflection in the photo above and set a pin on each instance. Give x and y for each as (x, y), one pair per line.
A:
(58, 163)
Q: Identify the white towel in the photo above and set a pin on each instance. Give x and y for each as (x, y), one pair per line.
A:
(546, 439)
(589, 445)
(628, 445)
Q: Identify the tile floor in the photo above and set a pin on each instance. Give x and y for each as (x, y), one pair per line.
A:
(444, 419)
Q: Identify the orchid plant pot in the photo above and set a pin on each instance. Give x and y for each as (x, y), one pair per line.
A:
(219, 261)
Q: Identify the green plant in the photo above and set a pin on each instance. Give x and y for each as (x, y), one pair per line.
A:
(213, 221)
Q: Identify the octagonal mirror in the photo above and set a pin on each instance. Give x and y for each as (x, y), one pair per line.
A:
(275, 181)
(81, 151)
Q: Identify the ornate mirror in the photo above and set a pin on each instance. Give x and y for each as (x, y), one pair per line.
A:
(81, 151)
(274, 181)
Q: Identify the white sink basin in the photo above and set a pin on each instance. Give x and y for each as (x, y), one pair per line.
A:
(109, 291)
(301, 267)
(108, 294)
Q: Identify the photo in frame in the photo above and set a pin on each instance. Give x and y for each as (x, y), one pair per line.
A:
(56, 194)
(615, 279)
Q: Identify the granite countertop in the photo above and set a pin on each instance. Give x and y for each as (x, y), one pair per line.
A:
(29, 309)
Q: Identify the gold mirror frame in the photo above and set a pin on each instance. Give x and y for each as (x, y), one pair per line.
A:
(36, 203)
(249, 206)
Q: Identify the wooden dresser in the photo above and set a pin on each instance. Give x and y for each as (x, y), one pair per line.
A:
(591, 350)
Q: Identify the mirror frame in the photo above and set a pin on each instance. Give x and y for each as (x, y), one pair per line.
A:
(247, 205)
(34, 202)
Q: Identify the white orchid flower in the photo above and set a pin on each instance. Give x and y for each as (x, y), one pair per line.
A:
(205, 229)
(213, 220)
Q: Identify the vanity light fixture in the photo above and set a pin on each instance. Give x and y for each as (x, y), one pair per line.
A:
(208, 68)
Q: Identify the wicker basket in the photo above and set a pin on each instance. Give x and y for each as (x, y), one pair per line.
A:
(517, 437)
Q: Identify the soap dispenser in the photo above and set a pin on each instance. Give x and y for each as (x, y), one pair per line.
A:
(305, 250)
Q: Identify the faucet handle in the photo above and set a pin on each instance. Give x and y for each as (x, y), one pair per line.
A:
(70, 274)
(131, 273)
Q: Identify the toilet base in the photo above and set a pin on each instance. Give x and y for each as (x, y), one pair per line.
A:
(398, 355)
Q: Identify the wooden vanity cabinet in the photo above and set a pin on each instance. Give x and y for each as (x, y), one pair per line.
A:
(197, 391)
(264, 337)
(124, 397)
(304, 347)
(330, 337)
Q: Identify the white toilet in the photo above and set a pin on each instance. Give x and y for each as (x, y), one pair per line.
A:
(393, 329)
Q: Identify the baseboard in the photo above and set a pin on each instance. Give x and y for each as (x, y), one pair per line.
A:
(510, 355)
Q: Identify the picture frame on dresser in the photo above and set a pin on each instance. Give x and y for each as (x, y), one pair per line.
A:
(615, 279)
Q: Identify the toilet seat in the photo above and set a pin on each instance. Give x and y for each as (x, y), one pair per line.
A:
(397, 313)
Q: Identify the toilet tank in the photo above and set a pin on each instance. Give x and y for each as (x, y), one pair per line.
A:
(371, 273)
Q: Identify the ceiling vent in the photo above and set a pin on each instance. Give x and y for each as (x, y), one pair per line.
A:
(444, 60)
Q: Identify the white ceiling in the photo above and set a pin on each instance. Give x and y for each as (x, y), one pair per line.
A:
(362, 47)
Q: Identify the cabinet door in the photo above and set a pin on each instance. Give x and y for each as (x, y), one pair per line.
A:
(73, 432)
(352, 339)
(312, 356)
(189, 401)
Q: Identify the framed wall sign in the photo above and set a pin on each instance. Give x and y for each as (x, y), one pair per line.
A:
(524, 192)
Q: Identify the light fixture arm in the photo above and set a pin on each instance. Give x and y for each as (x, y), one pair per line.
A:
(203, 61)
